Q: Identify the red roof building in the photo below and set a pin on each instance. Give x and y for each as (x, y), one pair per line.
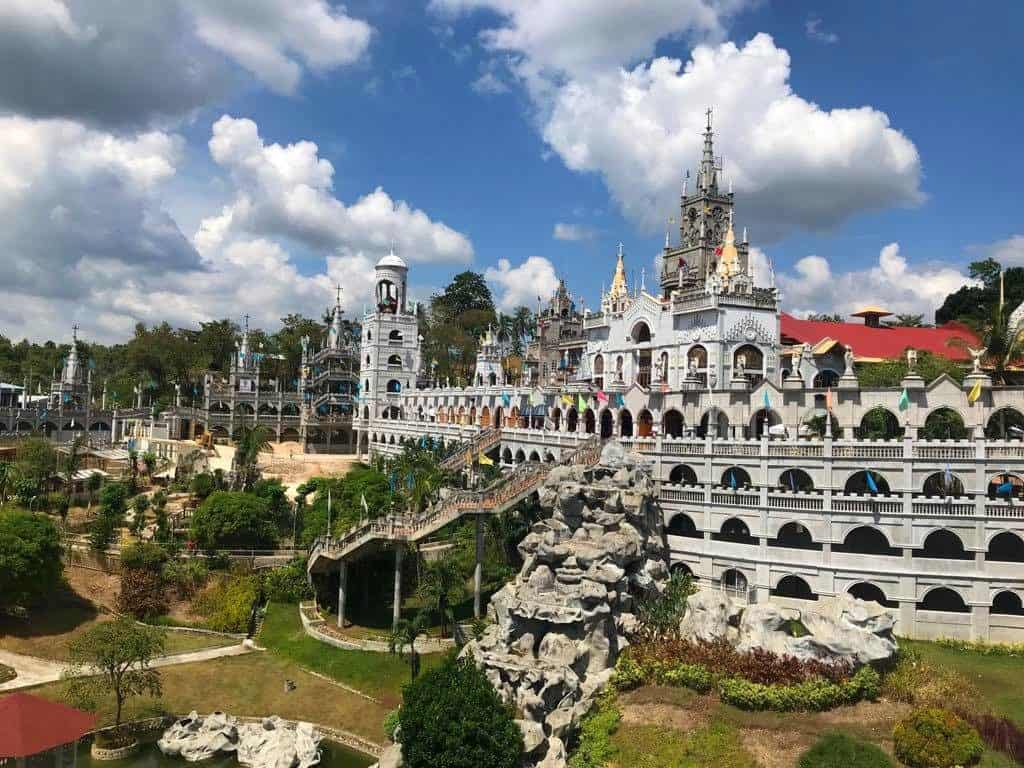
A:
(30, 725)
(873, 343)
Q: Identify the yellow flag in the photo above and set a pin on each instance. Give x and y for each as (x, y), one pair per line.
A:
(487, 462)
(567, 400)
(975, 393)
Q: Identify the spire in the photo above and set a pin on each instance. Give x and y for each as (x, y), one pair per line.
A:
(619, 287)
(708, 179)
(334, 334)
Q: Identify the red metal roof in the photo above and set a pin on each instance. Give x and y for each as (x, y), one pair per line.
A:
(885, 343)
(30, 725)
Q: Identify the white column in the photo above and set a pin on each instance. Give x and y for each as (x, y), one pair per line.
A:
(342, 589)
(397, 610)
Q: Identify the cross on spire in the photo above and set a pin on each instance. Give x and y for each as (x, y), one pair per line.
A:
(709, 117)
(338, 287)
(247, 323)
(74, 332)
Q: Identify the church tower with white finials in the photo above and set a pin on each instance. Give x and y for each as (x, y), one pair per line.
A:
(390, 349)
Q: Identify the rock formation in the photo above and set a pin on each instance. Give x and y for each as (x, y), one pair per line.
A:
(560, 625)
(270, 743)
(843, 629)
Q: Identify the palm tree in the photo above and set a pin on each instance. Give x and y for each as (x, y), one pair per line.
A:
(524, 325)
(149, 460)
(442, 585)
(252, 442)
(403, 635)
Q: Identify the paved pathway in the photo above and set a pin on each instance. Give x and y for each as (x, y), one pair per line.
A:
(33, 671)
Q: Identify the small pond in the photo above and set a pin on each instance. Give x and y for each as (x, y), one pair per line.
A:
(334, 756)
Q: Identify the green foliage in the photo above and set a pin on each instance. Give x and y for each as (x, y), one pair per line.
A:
(122, 651)
(36, 460)
(287, 584)
(981, 647)
(142, 593)
(891, 372)
(457, 317)
(972, 304)
(145, 555)
(30, 564)
(226, 603)
(936, 738)
(595, 749)
(233, 519)
(251, 443)
(451, 717)
(346, 506)
(659, 613)
(186, 576)
(402, 640)
(813, 696)
(273, 492)
(203, 484)
(442, 584)
(391, 724)
(916, 681)
(837, 750)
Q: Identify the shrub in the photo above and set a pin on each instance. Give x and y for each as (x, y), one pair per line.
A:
(1000, 733)
(229, 519)
(811, 695)
(142, 593)
(287, 584)
(451, 716)
(391, 724)
(595, 748)
(837, 750)
(146, 555)
(936, 738)
(203, 485)
(226, 603)
(186, 576)
(30, 564)
(915, 681)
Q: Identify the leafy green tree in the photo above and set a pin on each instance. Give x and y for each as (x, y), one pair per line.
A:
(975, 305)
(346, 500)
(71, 461)
(142, 582)
(140, 505)
(273, 492)
(457, 317)
(402, 640)
(451, 717)
(442, 583)
(233, 519)
(202, 485)
(891, 372)
(7, 471)
(907, 321)
(113, 506)
(93, 485)
(826, 318)
(252, 442)
(123, 652)
(36, 461)
(30, 564)
(149, 461)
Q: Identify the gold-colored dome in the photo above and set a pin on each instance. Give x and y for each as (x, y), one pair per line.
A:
(729, 259)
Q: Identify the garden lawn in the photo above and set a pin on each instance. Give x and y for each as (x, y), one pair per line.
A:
(380, 675)
(651, 746)
(998, 677)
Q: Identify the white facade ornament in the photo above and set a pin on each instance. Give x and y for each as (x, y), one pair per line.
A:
(976, 355)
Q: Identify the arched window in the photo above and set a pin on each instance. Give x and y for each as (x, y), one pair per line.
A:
(672, 423)
(943, 599)
(794, 536)
(1005, 424)
(641, 332)
(492, 378)
(599, 371)
(1005, 486)
(506, 456)
(944, 544)
(793, 587)
(556, 418)
(734, 582)
(607, 424)
(697, 358)
(645, 424)
(244, 408)
(682, 569)
(549, 458)
(861, 483)
(879, 424)
(748, 360)
(1007, 603)
(395, 361)
(735, 477)
(796, 480)
(762, 421)
(394, 386)
(871, 593)
(939, 485)
(367, 359)
(625, 423)
(589, 421)
(520, 456)
(395, 337)
(714, 423)
(572, 419)
(1006, 547)
(825, 379)
(865, 540)
(682, 474)
(485, 417)
(944, 424)
(683, 525)
(736, 531)
(534, 456)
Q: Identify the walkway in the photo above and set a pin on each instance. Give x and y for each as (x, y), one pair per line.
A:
(33, 671)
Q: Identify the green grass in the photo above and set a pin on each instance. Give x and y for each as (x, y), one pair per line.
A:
(649, 746)
(380, 675)
(994, 675)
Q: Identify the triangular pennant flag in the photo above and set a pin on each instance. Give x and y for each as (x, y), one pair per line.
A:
(904, 402)
(602, 397)
(566, 399)
(872, 485)
(975, 393)
(581, 404)
(485, 461)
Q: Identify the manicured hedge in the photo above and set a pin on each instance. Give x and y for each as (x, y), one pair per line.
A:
(936, 738)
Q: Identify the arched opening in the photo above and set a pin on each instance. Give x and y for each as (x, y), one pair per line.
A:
(863, 483)
(869, 592)
(734, 582)
(736, 531)
(1005, 424)
(943, 544)
(794, 536)
(492, 378)
(625, 423)
(681, 474)
(498, 415)
(395, 337)
(641, 332)
(681, 569)
(220, 407)
(549, 458)
(645, 424)
(506, 456)
(1006, 486)
(513, 417)
(865, 540)
(796, 480)
(607, 424)
(1006, 547)
(392, 412)
(485, 417)
(735, 477)
(290, 435)
(219, 431)
(99, 426)
(556, 418)
(520, 456)
(793, 587)
(245, 409)
(825, 379)
(762, 421)
(267, 409)
(879, 424)
(939, 484)
(714, 423)
(395, 362)
(748, 363)
(1007, 603)
(589, 421)
(291, 409)
(534, 456)
(48, 428)
(672, 423)
(944, 424)
(599, 371)
(943, 599)
(460, 416)
(366, 412)
(697, 364)
(572, 419)
(23, 426)
(394, 386)
(683, 525)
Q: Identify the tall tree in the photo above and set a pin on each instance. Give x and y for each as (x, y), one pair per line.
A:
(458, 316)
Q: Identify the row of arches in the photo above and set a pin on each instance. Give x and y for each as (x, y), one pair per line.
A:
(49, 427)
(507, 457)
(747, 361)
(1006, 546)
(286, 435)
(248, 409)
(936, 484)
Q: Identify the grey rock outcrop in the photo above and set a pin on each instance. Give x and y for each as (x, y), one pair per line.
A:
(842, 629)
(270, 743)
(560, 625)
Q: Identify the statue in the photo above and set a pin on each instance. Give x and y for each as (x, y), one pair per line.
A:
(976, 355)
(911, 359)
(693, 368)
(848, 358)
(741, 366)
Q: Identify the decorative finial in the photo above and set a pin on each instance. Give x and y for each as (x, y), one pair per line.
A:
(643, 279)
(620, 249)
(709, 118)
(668, 229)
(745, 235)
(392, 252)
(338, 287)
(74, 332)
(247, 323)
(686, 181)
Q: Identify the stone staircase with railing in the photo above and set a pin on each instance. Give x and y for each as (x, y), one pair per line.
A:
(482, 441)
(508, 491)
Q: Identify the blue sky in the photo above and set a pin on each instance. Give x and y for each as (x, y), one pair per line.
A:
(160, 157)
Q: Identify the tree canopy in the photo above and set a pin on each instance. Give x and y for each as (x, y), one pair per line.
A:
(974, 305)
(457, 317)
(30, 564)
(229, 519)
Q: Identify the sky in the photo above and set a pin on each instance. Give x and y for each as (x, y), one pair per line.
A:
(189, 160)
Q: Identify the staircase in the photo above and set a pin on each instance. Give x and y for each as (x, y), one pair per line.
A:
(508, 491)
(482, 442)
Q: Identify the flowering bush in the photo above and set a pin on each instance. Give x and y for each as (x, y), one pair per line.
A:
(936, 738)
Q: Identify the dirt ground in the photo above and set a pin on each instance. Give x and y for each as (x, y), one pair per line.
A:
(287, 462)
(775, 740)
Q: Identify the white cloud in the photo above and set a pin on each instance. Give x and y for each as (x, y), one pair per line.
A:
(522, 285)
(812, 27)
(489, 84)
(893, 283)
(572, 232)
(1008, 252)
(286, 191)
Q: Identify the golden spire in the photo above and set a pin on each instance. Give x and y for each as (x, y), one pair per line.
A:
(729, 259)
(619, 288)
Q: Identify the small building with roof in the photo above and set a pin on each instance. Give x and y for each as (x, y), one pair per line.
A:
(37, 732)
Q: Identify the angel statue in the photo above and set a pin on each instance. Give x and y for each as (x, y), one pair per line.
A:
(911, 359)
(848, 358)
(976, 355)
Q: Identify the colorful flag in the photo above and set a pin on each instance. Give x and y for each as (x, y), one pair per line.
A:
(792, 480)
(566, 399)
(872, 485)
(602, 397)
(485, 461)
(620, 401)
(732, 479)
(393, 481)
(1005, 488)
(506, 399)
(975, 393)
(947, 479)
(828, 399)
(536, 397)
(581, 404)
(410, 481)
(767, 402)
(904, 402)
(366, 507)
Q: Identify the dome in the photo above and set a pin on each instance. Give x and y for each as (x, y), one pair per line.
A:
(392, 260)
